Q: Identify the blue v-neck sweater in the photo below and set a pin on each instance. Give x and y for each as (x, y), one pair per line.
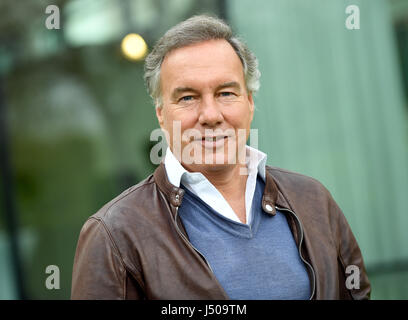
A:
(256, 261)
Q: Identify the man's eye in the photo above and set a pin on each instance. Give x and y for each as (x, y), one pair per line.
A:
(226, 94)
(186, 98)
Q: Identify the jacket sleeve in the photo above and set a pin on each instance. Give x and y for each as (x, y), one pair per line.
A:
(353, 275)
(98, 272)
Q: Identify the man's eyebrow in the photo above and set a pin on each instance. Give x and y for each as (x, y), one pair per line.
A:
(179, 90)
(231, 84)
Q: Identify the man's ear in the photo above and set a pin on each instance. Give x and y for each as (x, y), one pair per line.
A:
(251, 104)
(159, 115)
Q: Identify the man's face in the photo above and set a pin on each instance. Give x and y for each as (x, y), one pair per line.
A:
(204, 93)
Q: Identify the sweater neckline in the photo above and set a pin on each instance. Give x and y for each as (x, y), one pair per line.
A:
(238, 229)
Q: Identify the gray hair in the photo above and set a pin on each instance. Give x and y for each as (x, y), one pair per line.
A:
(194, 30)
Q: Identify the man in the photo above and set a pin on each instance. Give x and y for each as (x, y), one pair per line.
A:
(213, 221)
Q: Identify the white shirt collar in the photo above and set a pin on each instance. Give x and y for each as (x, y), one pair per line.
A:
(176, 173)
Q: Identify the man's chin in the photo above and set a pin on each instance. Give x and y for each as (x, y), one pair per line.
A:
(205, 159)
(208, 166)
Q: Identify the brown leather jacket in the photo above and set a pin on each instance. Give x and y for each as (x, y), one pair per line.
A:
(135, 247)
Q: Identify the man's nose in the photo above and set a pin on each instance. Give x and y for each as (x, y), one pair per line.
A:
(210, 112)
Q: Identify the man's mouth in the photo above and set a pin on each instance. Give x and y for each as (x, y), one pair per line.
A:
(213, 141)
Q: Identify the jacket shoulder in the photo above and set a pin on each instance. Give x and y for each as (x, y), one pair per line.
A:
(290, 180)
(127, 221)
(128, 202)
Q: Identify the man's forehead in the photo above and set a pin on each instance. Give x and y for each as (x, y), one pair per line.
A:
(194, 48)
(211, 63)
(203, 55)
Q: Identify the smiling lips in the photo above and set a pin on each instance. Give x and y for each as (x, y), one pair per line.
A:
(212, 141)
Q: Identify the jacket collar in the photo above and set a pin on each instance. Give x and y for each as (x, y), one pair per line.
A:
(172, 193)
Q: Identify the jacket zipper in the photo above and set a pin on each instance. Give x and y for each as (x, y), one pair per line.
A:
(300, 248)
(188, 242)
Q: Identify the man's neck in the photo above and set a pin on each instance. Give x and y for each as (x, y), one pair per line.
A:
(231, 183)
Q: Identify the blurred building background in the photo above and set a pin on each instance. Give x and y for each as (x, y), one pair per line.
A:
(75, 119)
